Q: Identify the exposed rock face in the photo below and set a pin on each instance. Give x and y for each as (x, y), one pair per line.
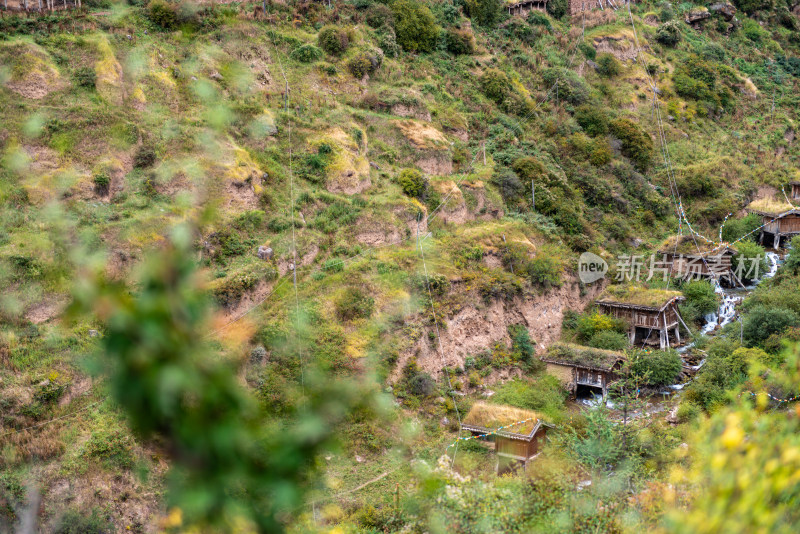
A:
(696, 15)
(725, 9)
(264, 253)
(477, 328)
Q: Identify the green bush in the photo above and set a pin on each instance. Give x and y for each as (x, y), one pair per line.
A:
(113, 447)
(593, 119)
(589, 325)
(484, 12)
(736, 228)
(495, 84)
(558, 8)
(609, 340)
(333, 40)
(85, 77)
(657, 367)
(387, 41)
(636, 144)
(608, 65)
(144, 157)
(460, 42)
(669, 33)
(415, 26)
(588, 51)
(162, 14)
(101, 181)
(306, 53)
(354, 303)
(363, 63)
(749, 254)
(544, 270)
(761, 322)
(378, 16)
(413, 183)
(78, 522)
(792, 261)
(701, 296)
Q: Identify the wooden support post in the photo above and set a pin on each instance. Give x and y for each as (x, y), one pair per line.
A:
(777, 243)
(678, 334)
(533, 196)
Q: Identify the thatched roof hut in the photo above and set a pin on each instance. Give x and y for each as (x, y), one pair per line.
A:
(577, 365)
(518, 434)
(780, 218)
(651, 313)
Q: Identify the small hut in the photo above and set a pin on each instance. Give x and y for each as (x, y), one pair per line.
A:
(690, 258)
(523, 7)
(781, 219)
(518, 435)
(651, 313)
(582, 367)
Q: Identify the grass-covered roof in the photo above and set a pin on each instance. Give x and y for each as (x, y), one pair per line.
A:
(686, 245)
(581, 356)
(638, 296)
(770, 206)
(494, 416)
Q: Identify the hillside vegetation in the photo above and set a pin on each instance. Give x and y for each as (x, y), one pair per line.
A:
(429, 173)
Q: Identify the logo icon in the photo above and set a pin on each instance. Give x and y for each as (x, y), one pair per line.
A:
(591, 268)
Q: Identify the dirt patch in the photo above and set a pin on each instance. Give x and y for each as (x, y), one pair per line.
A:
(478, 328)
(45, 310)
(619, 46)
(454, 210)
(437, 164)
(405, 110)
(421, 135)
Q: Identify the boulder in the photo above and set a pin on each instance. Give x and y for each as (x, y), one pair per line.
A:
(696, 15)
(725, 9)
(264, 253)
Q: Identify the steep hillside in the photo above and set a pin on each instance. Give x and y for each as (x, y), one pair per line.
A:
(427, 172)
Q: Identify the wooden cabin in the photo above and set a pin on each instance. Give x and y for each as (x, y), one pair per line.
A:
(578, 366)
(652, 314)
(692, 258)
(518, 435)
(523, 7)
(781, 220)
(576, 7)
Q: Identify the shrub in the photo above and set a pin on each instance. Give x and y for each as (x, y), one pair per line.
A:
(636, 144)
(495, 84)
(558, 8)
(379, 15)
(669, 33)
(589, 325)
(657, 367)
(101, 182)
(608, 65)
(306, 53)
(354, 303)
(484, 12)
(113, 447)
(701, 296)
(736, 228)
(593, 119)
(600, 155)
(85, 77)
(792, 262)
(162, 14)
(588, 51)
(387, 41)
(415, 26)
(77, 522)
(609, 340)
(761, 322)
(544, 270)
(460, 42)
(413, 183)
(364, 63)
(333, 40)
(144, 157)
(750, 261)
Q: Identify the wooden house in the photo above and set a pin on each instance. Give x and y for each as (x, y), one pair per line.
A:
(691, 258)
(781, 219)
(652, 314)
(582, 367)
(523, 7)
(518, 435)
